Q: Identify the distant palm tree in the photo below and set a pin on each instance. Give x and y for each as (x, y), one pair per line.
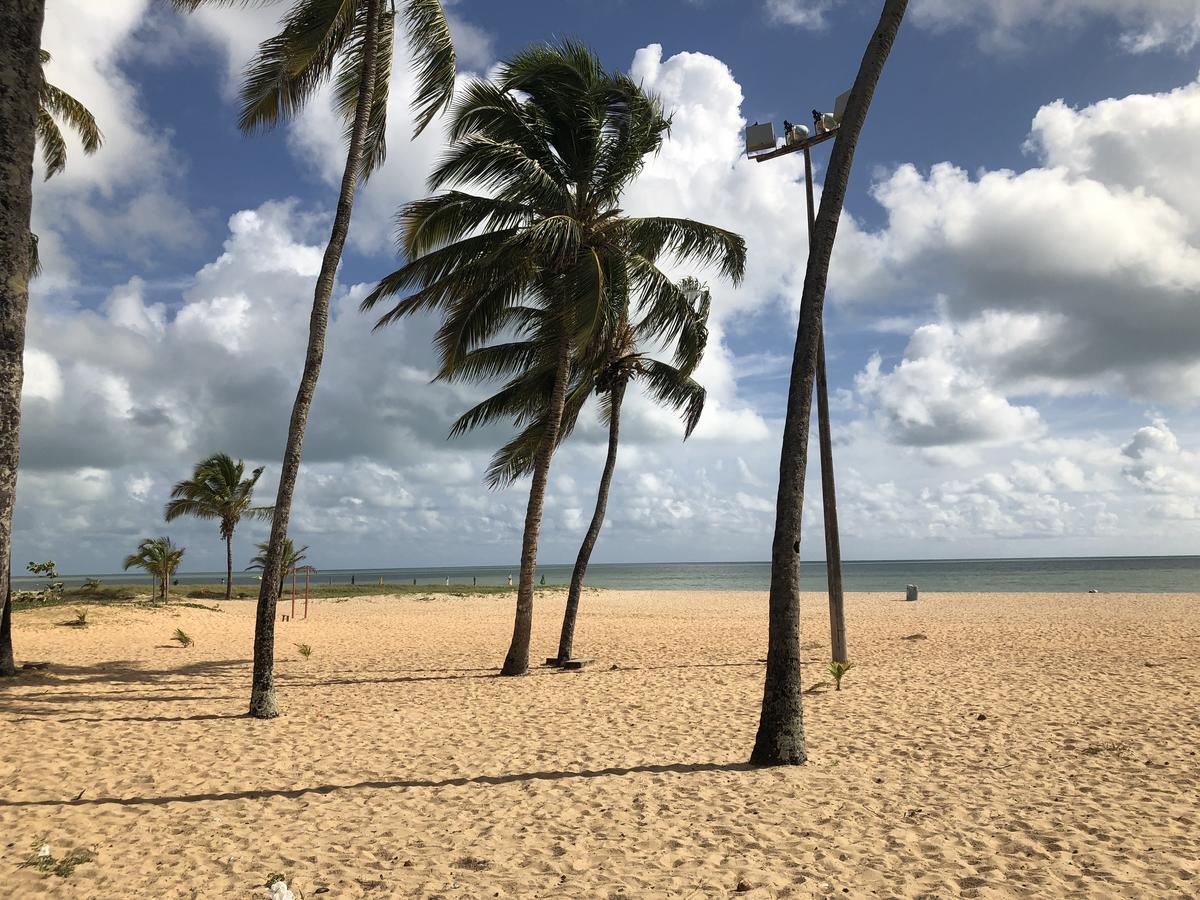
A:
(542, 253)
(291, 557)
(349, 42)
(158, 557)
(780, 738)
(621, 360)
(218, 490)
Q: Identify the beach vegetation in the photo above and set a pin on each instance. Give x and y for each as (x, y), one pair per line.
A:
(304, 650)
(44, 861)
(349, 44)
(1111, 748)
(780, 738)
(182, 637)
(532, 273)
(158, 557)
(219, 489)
(838, 670)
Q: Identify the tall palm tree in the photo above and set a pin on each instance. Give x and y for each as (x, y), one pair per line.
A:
(619, 361)
(20, 95)
(350, 42)
(552, 141)
(291, 557)
(780, 738)
(158, 557)
(218, 490)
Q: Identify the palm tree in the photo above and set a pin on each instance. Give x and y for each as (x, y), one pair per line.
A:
(780, 738)
(544, 254)
(621, 360)
(218, 490)
(158, 557)
(291, 557)
(350, 42)
(21, 76)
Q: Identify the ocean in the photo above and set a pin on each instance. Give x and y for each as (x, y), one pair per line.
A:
(1136, 574)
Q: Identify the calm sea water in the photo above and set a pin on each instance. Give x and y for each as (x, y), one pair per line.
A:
(1141, 574)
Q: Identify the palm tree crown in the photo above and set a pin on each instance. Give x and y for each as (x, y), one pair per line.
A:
(291, 556)
(217, 490)
(321, 40)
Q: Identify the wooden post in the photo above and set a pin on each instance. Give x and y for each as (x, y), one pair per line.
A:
(833, 544)
(293, 592)
(306, 574)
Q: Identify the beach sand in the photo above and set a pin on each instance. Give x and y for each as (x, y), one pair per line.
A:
(1029, 745)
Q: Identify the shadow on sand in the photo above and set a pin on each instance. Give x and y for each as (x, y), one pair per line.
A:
(401, 783)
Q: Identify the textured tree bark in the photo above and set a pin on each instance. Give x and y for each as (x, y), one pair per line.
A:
(780, 738)
(20, 85)
(566, 640)
(516, 661)
(229, 566)
(262, 692)
(833, 541)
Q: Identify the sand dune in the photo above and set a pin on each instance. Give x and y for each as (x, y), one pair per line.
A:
(1029, 745)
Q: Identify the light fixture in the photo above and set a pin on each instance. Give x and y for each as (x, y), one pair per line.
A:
(760, 137)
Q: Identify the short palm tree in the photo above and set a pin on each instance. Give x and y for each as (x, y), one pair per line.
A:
(532, 272)
(218, 490)
(621, 361)
(291, 557)
(349, 42)
(159, 558)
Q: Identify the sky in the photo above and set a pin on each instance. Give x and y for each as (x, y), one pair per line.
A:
(1012, 324)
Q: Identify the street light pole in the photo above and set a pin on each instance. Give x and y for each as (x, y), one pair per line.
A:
(833, 544)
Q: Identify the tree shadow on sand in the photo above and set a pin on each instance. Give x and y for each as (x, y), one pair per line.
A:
(399, 783)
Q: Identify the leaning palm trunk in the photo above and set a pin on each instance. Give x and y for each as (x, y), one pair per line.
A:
(262, 695)
(20, 87)
(780, 739)
(566, 641)
(516, 662)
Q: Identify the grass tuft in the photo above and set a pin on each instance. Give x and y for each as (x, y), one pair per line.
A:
(185, 639)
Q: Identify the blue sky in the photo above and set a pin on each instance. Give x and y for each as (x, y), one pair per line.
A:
(1012, 326)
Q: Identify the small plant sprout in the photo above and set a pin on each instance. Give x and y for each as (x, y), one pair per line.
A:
(91, 584)
(80, 618)
(304, 650)
(838, 670)
(44, 861)
(185, 639)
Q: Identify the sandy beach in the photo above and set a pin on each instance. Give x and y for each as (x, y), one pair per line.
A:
(1027, 745)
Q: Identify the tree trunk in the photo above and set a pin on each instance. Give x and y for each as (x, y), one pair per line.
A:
(567, 639)
(780, 739)
(833, 541)
(229, 566)
(20, 86)
(516, 662)
(8, 663)
(262, 694)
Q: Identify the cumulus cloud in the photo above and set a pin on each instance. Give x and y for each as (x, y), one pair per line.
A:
(124, 197)
(1078, 276)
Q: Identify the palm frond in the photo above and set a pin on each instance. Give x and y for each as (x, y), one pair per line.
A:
(433, 59)
(670, 387)
(54, 148)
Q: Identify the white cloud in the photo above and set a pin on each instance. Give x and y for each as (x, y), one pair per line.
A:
(810, 14)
